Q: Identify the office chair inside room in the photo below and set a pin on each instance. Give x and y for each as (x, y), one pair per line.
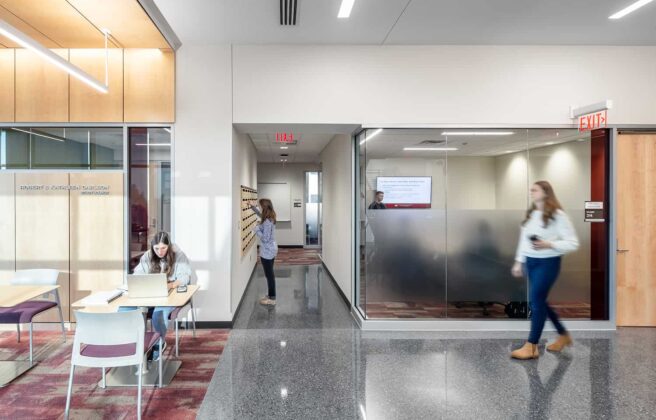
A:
(106, 340)
(25, 312)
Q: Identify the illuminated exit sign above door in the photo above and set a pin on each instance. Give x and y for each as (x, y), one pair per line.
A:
(592, 121)
(285, 138)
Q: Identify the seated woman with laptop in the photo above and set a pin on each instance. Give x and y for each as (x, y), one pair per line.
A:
(164, 257)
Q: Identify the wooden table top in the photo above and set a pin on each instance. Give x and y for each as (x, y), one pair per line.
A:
(13, 295)
(173, 299)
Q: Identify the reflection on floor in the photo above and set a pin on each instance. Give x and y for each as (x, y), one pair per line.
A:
(298, 256)
(306, 359)
(463, 310)
(41, 392)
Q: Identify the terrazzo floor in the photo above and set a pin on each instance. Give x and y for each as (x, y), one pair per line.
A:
(306, 359)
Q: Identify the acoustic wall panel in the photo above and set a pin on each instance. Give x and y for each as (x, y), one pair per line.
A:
(97, 232)
(42, 228)
(7, 83)
(149, 85)
(89, 105)
(7, 228)
(41, 88)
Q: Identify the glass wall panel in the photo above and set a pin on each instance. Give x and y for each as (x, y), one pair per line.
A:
(14, 148)
(61, 148)
(403, 225)
(487, 199)
(150, 187)
(563, 157)
(106, 148)
(450, 255)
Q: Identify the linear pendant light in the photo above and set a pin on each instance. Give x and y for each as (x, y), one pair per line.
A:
(26, 42)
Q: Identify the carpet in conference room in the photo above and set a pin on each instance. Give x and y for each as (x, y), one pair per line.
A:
(41, 392)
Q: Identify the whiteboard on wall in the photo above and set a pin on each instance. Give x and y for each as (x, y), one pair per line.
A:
(281, 196)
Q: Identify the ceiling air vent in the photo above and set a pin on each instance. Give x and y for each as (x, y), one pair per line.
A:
(432, 142)
(288, 12)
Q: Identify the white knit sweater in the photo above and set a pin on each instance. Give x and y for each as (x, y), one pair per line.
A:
(559, 232)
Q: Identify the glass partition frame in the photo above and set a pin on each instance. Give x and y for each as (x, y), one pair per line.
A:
(454, 216)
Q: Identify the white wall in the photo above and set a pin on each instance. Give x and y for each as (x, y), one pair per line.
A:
(244, 172)
(388, 85)
(293, 232)
(337, 249)
(203, 172)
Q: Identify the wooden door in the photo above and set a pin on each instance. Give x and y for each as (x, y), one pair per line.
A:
(636, 230)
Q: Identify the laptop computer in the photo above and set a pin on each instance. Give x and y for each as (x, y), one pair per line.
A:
(147, 286)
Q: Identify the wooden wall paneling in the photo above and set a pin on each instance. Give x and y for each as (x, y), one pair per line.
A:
(97, 226)
(127, 20)
(149, 85)
(87, 104)
(636, 203)
(42, 228)
(7, 83)
(57, 20)
(41, 88)
(7, 228)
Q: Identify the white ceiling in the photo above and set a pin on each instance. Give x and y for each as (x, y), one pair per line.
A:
(307, 147)
(409, 22)
(390, 142)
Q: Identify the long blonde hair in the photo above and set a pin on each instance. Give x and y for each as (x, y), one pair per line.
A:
(551, 204)
(267, 210)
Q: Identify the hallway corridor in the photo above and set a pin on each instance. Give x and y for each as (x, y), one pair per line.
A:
(306, 359)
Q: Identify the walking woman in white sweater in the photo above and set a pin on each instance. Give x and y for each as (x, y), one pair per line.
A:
(546, 235)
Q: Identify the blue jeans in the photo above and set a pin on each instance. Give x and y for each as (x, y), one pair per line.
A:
(160, 317)
(542, 274)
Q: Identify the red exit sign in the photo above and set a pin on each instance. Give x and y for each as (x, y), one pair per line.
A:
(591, 121)
(285, 138)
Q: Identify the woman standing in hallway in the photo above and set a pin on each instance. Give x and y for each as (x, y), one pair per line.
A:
(266, 231)
(546, 235)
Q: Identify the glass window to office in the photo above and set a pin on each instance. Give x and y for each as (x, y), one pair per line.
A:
(443, 241)
(61, 148)
(150, 187)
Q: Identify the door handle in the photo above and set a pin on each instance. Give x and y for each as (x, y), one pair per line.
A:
(620, 250)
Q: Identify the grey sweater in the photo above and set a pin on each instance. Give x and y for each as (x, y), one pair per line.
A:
(181, 268)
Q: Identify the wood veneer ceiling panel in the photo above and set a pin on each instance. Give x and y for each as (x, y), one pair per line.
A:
(23, 26)
(128, 22)
(59, 21)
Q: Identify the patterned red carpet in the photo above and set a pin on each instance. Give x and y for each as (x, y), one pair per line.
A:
(298, 256)
(41, 392)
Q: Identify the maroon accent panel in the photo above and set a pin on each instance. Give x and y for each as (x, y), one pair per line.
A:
(599, 233)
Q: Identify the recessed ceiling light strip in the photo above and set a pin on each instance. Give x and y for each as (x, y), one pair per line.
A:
(345, 9)
(633, 7)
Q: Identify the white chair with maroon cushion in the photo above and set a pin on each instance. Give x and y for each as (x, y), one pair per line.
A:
(25, 312)
(106, 340)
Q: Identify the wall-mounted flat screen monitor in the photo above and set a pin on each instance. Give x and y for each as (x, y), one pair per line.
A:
(405, 192)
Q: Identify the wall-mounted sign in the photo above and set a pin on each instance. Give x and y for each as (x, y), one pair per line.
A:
(82, 189)
(594, 211)
(298, 205)
(592, 121)
(285, 137)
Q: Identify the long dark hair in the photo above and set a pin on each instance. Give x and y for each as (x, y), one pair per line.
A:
(267, 210)
(161, 238)
(551, 204)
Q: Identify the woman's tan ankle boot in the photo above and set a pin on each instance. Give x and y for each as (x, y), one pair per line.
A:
(562, 342)
(528, 351)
